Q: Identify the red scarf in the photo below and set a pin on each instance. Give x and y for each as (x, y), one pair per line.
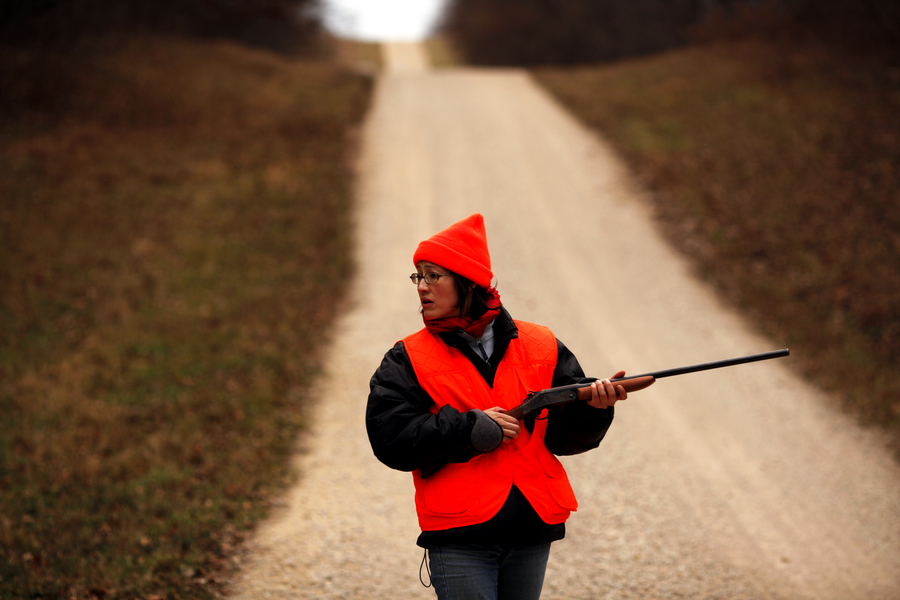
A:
(474, 327)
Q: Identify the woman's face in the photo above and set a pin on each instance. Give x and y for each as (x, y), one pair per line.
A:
(439, 300)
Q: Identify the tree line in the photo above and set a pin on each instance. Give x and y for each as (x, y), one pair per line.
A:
(533, 32)
(283, 25)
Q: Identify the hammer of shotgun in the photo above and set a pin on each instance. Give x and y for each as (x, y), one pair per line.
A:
(582, 391)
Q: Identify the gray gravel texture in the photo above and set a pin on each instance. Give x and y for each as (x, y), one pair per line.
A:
(742, 483)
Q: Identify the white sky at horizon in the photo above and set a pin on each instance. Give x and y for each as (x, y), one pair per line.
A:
(382, 20)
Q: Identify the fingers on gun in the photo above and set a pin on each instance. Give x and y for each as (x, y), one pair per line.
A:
(606, 394)
(508, 424)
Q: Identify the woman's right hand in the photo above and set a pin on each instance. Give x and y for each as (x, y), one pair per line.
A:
(509, 425)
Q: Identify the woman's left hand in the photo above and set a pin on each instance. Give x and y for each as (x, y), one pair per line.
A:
(604, 394)
(509, 425)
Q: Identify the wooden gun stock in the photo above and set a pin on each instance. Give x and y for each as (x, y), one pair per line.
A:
(631, 384)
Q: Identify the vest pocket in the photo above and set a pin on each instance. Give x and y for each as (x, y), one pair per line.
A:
(557, 481)
(551, 465)
(449, 493)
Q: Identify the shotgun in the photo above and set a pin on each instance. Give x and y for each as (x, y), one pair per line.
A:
(582, 391)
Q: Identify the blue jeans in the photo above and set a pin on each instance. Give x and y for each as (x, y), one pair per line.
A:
(475, 572)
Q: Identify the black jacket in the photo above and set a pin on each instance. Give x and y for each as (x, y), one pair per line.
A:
(406, 436)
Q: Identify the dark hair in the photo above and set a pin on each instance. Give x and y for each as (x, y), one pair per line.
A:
(472, 297)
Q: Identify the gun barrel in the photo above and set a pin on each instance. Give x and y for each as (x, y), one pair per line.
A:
(718, 364)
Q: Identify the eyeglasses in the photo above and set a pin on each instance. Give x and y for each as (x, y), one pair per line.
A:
(430, 278)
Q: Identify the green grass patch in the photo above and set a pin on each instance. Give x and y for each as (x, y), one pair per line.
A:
(775, 168)
(176, 239)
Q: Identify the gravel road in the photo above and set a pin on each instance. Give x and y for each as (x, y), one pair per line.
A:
(742, 483)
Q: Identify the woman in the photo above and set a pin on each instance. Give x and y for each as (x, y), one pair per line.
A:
(490, 494)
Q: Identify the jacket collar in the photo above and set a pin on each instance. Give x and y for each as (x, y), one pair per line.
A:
(505, 331)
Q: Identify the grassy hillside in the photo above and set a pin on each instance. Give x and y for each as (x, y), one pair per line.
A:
(175, 239)
(775, 168)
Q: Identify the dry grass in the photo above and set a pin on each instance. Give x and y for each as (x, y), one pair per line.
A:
(776, 169)
(364, 57)
(441, 52)
(175, 239)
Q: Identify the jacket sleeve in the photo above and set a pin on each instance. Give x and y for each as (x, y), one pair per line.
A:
(404, 432)
(577, 427)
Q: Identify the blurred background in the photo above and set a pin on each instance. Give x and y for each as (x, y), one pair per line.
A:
(390, 20)
(492, 31)
(536, 32)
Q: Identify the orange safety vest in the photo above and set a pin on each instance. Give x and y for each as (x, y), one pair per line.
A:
(462, 494)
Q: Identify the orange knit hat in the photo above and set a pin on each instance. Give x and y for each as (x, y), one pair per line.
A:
(461, 248)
